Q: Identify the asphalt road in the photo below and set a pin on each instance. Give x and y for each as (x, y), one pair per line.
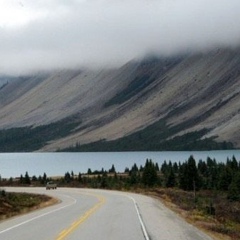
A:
(97, 214)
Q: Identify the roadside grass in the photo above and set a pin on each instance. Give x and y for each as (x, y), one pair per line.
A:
(12, 204)
(210, 211)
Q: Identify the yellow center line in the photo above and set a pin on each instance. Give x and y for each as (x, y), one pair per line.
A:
(83, 218)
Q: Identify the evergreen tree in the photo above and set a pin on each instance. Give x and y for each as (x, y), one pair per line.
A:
(157, 167)
(134, 175)
(171, 180)
(104, 181)
(183, 176)
(34, 178)
(67, 177)
(234, 164)
(72, 175)
(149, 177)
(202, 167)
(44, 179)
(225, 178)
(233, 192)
(112, 169)
(237, 179)
(134, 168)
(175, 167)
(21, 179)
(40, 179)
(189, 177)
(27, 179)
(80, 178)
(134, 178)
(164, 167)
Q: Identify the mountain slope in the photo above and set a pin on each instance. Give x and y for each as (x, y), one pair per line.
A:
(191, 93)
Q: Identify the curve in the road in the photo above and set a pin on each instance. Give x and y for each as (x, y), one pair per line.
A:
(98, 214)
(84, 217)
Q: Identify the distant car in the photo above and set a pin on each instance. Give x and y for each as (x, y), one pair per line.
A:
(51, 185)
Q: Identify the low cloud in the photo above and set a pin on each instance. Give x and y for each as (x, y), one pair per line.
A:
(49, 34)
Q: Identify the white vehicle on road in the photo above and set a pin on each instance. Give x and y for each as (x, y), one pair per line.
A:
(51, 185)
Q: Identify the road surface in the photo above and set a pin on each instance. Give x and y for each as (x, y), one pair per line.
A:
(98, 214)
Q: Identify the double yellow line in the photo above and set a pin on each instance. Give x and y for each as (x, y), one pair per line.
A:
(83, 218)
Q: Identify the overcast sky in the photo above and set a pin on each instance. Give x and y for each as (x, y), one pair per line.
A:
(46, 34)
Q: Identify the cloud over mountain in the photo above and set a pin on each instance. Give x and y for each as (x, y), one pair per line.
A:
(43, 34)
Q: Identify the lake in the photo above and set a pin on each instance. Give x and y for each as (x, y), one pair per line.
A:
(57, 164)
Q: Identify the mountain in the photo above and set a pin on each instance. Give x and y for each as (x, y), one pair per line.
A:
(188, 98)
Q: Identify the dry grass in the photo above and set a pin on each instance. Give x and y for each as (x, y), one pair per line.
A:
(223, 225)
(12, 204)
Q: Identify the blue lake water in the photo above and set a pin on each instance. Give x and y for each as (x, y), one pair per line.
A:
(57, 164)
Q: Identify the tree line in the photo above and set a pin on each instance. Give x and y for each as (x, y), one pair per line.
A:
(189, 176)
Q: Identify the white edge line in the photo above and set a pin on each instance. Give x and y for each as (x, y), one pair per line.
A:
(42, 215)
(140, 219)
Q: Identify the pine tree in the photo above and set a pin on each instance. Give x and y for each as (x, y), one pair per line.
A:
(234, 164)
(175, 168)
(164, 167)
(233, 192)
(21, 179)
(149, 177)
(104, 180)
(171, 180)
(157, 167)
(44, 179)
(72, 175)
(189, 177)
(27, 179)
(80, 178)
(112, 169)
(67, 177)
(225, 178)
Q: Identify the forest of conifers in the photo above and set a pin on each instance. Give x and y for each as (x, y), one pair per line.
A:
(189, 176)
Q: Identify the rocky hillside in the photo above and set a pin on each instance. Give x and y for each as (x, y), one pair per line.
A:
(187, 94)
